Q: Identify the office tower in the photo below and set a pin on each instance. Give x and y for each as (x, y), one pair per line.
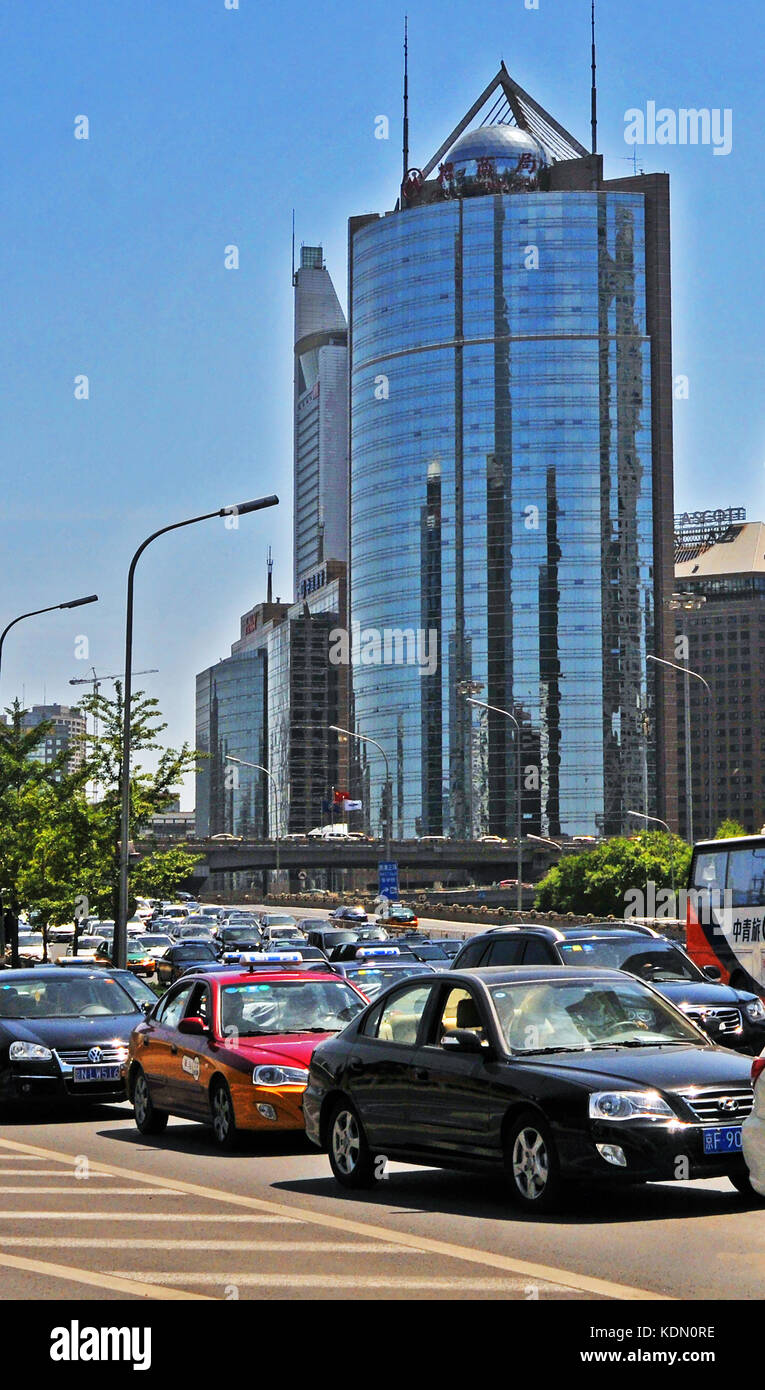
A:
(720, 620)
(320, 418)
(511, 481)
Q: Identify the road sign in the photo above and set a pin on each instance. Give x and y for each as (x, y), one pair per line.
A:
(388, 879)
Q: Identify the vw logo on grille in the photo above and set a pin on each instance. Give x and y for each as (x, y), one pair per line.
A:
(95, 1055)
(730, 1105)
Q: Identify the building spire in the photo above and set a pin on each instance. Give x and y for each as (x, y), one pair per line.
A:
(406, 102)
(270, 567)
(594, 91)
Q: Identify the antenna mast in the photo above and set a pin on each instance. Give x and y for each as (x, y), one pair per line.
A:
(270, 565)
(594, 93)
(294, 276)
(406, 100)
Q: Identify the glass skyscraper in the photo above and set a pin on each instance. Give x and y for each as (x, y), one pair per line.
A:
(510, 471)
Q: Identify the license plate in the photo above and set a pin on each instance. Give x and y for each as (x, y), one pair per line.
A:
(723, 1139)
(97, 1073)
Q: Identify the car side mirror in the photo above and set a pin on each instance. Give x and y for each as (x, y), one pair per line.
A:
(196, 1026)
(712, 972)
(462, 1040)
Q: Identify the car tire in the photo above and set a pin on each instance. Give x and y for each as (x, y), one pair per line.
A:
(148, 1119)
(223, 1121)
(350, 1156)
(743, 1185)
(531, 1163)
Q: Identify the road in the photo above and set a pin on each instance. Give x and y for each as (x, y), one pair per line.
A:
(90, 1209)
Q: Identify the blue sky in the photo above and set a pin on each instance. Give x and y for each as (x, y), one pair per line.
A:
(207, 126)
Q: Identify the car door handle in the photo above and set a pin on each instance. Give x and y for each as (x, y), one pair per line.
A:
(421, 1073)
(173, 1048)
(355, 1064)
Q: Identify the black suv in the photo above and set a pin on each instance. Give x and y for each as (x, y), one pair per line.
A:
(731, 1017)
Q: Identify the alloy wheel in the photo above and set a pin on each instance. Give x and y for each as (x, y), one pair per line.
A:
(531, 1168)
(346, 1141)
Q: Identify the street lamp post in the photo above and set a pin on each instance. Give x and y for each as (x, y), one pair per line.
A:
(260, 768)
(481, 704)
(641, 815)
(686, 673)
(120, 926)
(53, 607)
(364, 738)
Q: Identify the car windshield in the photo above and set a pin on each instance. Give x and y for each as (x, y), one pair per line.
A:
(577, 1016)
(650, 960)
(288, 1006)
(279, 919)
(85, 997)
(372, 979)
(233, 935)
(430, 953)
(137, 989)
(201, 952)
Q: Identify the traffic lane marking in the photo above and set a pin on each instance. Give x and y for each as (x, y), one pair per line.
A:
(526, 1269)
(81, 1189)
(125, 1284)
(270, 1247)
(38, 1215)
(350, 1281)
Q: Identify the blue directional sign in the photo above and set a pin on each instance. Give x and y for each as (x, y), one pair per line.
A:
(388, 878)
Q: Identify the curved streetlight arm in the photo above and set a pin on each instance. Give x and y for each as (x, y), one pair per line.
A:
(52, 608)
(495, 709)
(258, 767)
(120, 928)
(364, 738)
(684, 671)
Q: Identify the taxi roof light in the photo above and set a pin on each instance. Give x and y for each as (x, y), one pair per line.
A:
(366, 951)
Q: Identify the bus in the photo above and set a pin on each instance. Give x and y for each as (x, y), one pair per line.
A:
(725, 910)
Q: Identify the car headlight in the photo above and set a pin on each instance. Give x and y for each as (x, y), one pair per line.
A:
(629, 1105)
(29, 1052)
(280, 1076)
(755, 1010)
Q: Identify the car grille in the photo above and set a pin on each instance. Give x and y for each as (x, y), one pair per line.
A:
(731, 1104)
(728, 1020)
(78, 1056)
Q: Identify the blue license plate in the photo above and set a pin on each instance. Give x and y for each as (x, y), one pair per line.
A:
(97, 1073)
(723, 1139)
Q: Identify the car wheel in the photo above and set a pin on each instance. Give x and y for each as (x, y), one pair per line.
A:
(224, 1128)
(743, 1184)
(148, 1119)
(531, 1163)
(349, 1153)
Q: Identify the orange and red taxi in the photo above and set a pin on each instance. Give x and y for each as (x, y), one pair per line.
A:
(231, 1048)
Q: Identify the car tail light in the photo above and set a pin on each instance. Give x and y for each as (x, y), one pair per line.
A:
(758, 1066)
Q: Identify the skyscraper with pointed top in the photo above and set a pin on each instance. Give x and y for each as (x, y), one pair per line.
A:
(511, 479)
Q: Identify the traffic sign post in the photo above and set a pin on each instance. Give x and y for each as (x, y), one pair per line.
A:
(388, 879)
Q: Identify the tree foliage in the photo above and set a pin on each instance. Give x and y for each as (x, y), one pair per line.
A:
(597, 881)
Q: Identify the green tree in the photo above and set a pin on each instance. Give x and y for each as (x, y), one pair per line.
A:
(150, 791)
(597, 881)
(161, 874)
(728, 829)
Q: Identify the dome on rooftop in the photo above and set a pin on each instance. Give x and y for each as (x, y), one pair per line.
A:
(493, 159)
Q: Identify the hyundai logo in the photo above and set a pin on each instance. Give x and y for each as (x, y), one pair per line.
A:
(95, 1055)
(730, 1105)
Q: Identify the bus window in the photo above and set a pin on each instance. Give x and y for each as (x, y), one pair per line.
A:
(710, 870)
(746, 876)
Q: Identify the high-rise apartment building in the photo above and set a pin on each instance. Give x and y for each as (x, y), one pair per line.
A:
(320, 418)
(720, 620)
(511, 482)
(66, 735)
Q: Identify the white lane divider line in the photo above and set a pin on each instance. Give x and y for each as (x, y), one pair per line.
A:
(79, 1188)
(118, 1283)
(566, 1278)
(217, 1217)
(52, 1173)
(331, 1282)
(270, 1247)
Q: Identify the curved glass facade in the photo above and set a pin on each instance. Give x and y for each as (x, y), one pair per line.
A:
(501, 506)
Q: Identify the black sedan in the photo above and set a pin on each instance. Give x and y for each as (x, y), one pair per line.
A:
(64, 1034)
(177, 959)
(552, 1075)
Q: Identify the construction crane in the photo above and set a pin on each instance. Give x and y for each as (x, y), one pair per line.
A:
(96, 681)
